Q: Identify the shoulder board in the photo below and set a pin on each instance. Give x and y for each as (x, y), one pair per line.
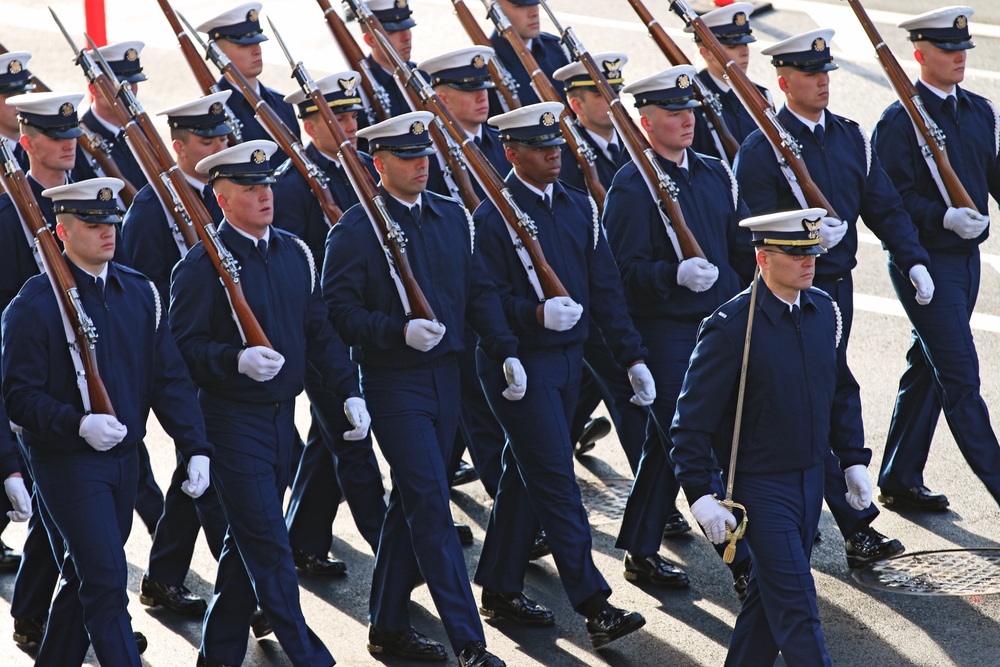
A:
(725, 313)
(128, 270)
(819, 292)
(283, 168)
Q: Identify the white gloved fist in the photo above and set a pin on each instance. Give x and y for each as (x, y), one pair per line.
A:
(642, 384)
(713, 518)
(859, 487)
(19, 498)
(517, 380)
(561, 313)
(697, 274)
(423, 335)
(831, 231)
(965, 222)
(102, 432)
(259, 363)
(357, 413)
(198, 476)
(923, 283)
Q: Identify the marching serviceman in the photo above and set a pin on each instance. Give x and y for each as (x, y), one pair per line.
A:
(800, 401)
(331, 468)
(538, 479)
(153, 246)
(15, 79)
(238, 34)
(668, 294)
(842, 163)
(410, 378)
(248, 397)
(397, 19)
(942, 365)
(85, 464)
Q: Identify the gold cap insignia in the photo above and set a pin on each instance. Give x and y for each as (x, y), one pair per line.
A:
(105, 194)
(417, 128)
(66, 109)
(812, 226)
(14, 66)
(479, 62)
(961, 22)
(548, 119)
(215, 109)
(683, 81)
(131, 55)
(400, 4)
(252, 15)
(258, 157)
(740, 19)
(348, 85)
(819, 45)
(612, 68)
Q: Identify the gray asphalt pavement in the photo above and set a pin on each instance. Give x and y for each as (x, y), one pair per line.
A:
(862, 626)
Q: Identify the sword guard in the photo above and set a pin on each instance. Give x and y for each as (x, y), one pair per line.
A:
(733, 535)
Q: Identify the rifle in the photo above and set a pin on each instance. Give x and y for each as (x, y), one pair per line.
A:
(393, 238)
(313, 175)
(933, 137)
(755, 102)
(206, 81)
(487, 176)
(63, 284)
(660, 185)
(378, 107)
(711, 105)
(505, 84)
(581, 150)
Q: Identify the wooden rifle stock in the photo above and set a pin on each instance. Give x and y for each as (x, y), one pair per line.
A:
(581, 150)
(710, 103)
(914, 107)
(200, 70)
(85, 333)
(759, 109)
(505, 84)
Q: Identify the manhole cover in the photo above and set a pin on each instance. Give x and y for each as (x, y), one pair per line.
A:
(949, 572)
(605, 498)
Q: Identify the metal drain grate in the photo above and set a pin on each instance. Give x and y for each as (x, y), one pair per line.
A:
(605, 498)
(949, 572)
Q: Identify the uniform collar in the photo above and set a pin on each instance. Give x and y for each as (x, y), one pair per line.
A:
(113, 130)
(774, 307)
(940, 94)
(84, 279)
(719, 83)
(239, 241)
(322, 159)
(808, 124)
(549, 190)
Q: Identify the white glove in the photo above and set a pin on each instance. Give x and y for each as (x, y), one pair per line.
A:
(198, 476)
(19, 498)
(561, 313)
(423, 335)
(517, 381)
(923, 283)
(697, 274)
(713, 518)
(102, 432)
(259, 363)
(859, 487)
(965, 222)
(357, 414)
(831, 231)
(642, 384)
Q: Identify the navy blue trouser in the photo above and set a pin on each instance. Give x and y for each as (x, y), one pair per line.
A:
(480, 431)
(177, 531)
(250, 471)
(331, 469)
(89, 497)
(39, 570)
(780, 611)
(149, 498)
(538, 478)
(942, 372)
(414, 416)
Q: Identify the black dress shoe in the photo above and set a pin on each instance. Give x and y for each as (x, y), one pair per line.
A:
(741, 578)
(208, 662)
(676, 525)
(611, 623)
(174, 598)
(408, 644)
(464, 534)
(475, 655)
(515, 607)
(10, 559)
(259, 624)
(540, 548)
(917, 498)
(868, 545)
(140, 641)
(596, 428)
(464, 474)
(29, 631)
(653, 569)
(324, 566)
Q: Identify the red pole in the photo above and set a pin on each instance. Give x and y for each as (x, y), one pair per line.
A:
(95, 21)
